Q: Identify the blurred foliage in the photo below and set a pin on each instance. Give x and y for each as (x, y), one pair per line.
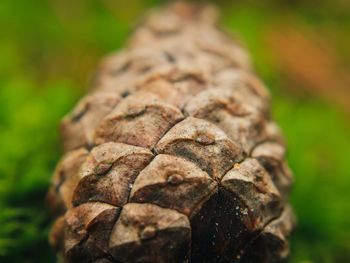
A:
(49, 47)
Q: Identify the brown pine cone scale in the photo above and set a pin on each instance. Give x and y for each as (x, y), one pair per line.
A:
(173, 156)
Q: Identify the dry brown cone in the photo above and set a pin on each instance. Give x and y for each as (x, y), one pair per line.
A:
(173, 157)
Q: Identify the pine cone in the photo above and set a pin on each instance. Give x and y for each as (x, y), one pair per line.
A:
(173, 156)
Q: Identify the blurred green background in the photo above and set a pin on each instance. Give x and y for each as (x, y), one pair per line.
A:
(301, 49)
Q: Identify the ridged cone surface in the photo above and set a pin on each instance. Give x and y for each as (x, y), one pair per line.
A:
(173, 156)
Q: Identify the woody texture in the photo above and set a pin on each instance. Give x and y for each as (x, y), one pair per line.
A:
(173, 157)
